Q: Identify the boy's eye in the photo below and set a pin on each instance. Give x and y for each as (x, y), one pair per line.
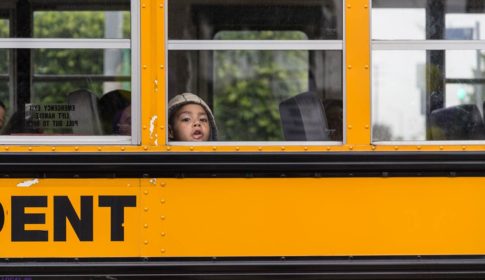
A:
(204, 120)
(185, 119)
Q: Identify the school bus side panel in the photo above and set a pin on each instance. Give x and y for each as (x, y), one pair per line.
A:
(241, 217)
(38, 217)
(324, 217)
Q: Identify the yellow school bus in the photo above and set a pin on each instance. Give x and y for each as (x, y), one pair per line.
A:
(350, 139)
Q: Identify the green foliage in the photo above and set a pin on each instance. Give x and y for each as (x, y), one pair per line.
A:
(249, 85)
(66, 62)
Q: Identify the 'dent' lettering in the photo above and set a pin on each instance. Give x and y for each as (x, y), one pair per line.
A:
(64, 212)
(20, 218)
(117, 205)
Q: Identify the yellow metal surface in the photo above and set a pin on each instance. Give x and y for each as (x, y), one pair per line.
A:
(325, 217)
(254, 217)
(153, 94)
(47, 190)
(357, 67)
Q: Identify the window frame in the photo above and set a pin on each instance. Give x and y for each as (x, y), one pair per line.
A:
(214, 45)
(422, 45)
(133, 44)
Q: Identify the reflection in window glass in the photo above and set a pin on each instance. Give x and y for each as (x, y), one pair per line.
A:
(4, 86)
(197, 20)
(465, 78)
(410, 24)
(50, 91)
(249, 86)
(398, 92)
(450, 20)
(406, 91)
(74, 92)
(4, 28)
(260, 35)
(247, 90)
(80, 24)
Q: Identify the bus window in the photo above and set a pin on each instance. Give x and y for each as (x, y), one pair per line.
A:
(427, 81)
(104, 24)
(72, 64)
(269, 72)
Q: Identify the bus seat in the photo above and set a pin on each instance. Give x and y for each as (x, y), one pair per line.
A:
(461, 122)
(111, 104)
(86, 112)
(303, 118)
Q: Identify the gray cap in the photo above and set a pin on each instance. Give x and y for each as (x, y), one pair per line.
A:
(189, 98)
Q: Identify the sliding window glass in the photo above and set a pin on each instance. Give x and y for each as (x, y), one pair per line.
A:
(267, 70)
(69, 72)
(428, 70)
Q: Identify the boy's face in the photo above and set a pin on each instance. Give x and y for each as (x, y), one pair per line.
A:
(190, 123)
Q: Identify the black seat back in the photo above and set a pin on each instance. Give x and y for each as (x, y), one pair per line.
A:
(461, 122)
(303, 118)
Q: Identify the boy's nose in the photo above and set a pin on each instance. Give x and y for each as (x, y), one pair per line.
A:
(197, 123)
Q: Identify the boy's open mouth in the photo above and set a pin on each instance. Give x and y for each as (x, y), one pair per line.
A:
(197, 134)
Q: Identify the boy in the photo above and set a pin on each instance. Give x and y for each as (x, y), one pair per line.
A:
(190, 119)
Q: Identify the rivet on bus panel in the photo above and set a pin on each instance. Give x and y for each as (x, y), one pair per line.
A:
(163, 234)
(145, 148)
(350, 66)
(305, 148)
(366, 126)
(53, 148)
(351, 148)
(283, 148)
(373, 147)
(161, 66)
(162, 201)
(418, 147)
(76, 148)
(396, 148)
(214, 148)
(146, 242)
(161, 5)
(328, 148)
(6, 148)
(145, 209)
(348, 6)
(145, 225)
(349, 126)
(260, 148)
(168, 148)
(463, 148)
(162, 218)
(144, 127)
(441, 147)
(366, 66)
(365, 6)
(163, 184)
(99, 148)
(145, 192)
(143, 6)
(144, 67)
(191, 148)
(122, 148)
(162, 251)
(128, 185)
(30, 148)
(237, 148)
